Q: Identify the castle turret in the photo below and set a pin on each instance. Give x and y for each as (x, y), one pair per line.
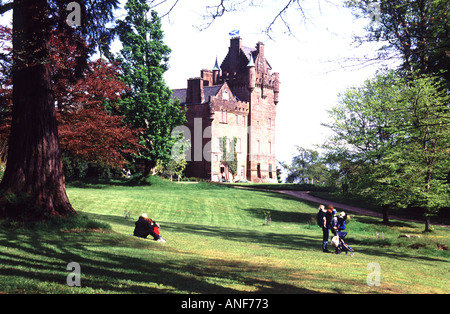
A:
(216, 72)
(251, 75)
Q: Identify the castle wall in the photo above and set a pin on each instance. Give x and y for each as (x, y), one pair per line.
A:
(261, 158)
(215, 112)
(230, 121)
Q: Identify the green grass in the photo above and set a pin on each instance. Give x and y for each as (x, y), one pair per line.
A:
(216, 243)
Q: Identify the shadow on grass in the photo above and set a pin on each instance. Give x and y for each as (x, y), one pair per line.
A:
(265, 236)
(269, 237)
(283, 216)
(108, 263)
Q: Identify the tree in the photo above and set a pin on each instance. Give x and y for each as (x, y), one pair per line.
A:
(5, 89)
(306, 167)
(88, 132)
(417, 31)
(34, 168)
(33, 172)
(392, 135)
(148, 104)
(222, 7)
(428, 141)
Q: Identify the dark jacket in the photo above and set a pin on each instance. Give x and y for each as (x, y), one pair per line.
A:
(142, 227)
(328, 217)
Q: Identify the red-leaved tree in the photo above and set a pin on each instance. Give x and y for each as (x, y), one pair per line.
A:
(87, 130)
(89, 125)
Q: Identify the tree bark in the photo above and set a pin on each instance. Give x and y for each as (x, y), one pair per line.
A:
(385, 210)
(33, 184)
(428, 224)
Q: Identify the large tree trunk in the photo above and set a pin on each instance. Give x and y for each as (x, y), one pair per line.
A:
(33, 184)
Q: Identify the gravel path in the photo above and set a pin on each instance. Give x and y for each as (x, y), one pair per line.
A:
(339, 207)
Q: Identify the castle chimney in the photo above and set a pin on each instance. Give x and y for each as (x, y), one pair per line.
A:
(236, 44)
(260, 48)
(207, 76)
(194, 94)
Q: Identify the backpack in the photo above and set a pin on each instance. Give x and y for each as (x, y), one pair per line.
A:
(319, 217)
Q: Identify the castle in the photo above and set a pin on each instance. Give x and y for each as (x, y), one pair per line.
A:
(233, 106)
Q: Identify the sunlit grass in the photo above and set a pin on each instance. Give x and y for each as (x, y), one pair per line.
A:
(216, 243)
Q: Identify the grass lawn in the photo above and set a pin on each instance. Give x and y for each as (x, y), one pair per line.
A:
(216, 243)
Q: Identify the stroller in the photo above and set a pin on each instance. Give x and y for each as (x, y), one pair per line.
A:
(338, 242)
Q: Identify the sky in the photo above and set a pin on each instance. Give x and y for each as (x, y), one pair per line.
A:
(311, 58)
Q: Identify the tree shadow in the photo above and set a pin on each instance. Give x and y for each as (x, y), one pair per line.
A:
(377, 222)
(263, 237)
(282, 216)
(44, 257)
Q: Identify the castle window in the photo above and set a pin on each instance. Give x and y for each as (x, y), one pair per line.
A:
(225, 95)
(270, 123)
(238, 145)
(223, 116)
(270, 148)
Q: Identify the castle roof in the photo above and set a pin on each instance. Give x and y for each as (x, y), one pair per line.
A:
(208, 91)
(249, 52)
(240, 56)
(180, 94)
(216, 66)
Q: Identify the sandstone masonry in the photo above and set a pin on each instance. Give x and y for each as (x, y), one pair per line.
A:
(237, 101)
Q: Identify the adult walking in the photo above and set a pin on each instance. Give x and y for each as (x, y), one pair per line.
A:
(322, 222)
(327, 226)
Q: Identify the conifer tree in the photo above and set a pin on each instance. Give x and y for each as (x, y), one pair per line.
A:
(149, 105)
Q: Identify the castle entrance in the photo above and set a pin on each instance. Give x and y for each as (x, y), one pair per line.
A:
(223, 172)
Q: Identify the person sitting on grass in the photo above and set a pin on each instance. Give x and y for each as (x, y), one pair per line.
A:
(145, 227)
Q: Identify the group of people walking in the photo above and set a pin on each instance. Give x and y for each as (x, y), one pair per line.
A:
(328, 220)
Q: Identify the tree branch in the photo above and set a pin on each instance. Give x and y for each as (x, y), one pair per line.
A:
(6, 7)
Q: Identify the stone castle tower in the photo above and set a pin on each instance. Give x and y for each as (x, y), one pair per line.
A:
(236, 101)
